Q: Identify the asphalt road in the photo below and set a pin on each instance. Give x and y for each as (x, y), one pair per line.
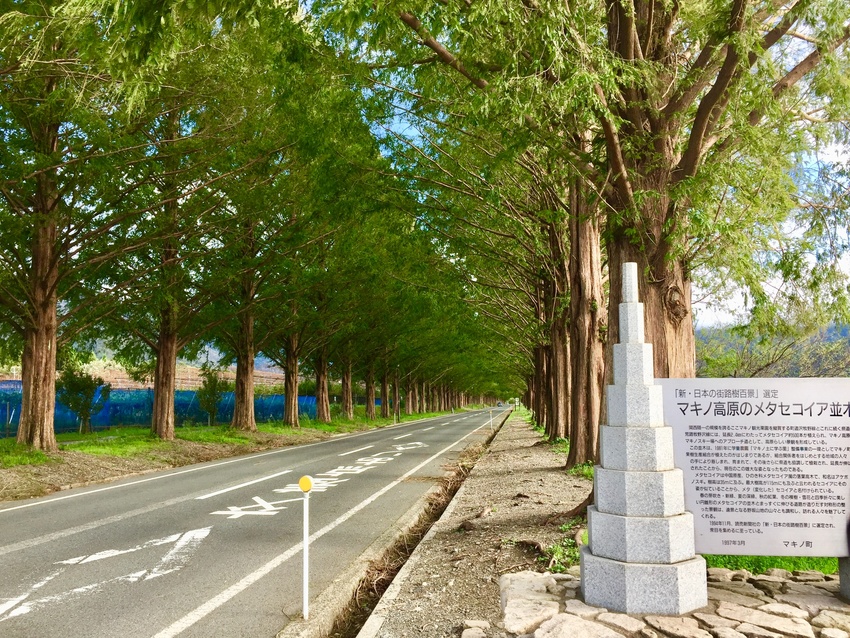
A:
(214, 549)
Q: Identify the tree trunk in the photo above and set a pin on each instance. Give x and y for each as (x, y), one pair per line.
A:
(347, 394)
(410, 397)
(290, 412)
(165, 376)
(38, 364)
(541, 390)
(323, 403)
(558, 378)
(370, 394)
(396, 398)
(423, 398)
(385, 395)
(38, 368)
(587, 310)
(243, 395)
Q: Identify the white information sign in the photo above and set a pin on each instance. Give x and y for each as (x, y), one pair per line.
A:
(765, 463)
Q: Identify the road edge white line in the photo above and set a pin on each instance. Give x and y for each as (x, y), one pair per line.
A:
(236, 487)
(357, 450)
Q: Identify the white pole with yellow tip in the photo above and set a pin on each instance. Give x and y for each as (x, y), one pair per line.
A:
(306, 484)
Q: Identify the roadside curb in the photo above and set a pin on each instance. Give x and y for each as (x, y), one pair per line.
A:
(335, 599)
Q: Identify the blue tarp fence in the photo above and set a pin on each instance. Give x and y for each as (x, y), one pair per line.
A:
(134, 407)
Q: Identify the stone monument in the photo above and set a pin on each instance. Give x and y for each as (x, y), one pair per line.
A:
(640, 554)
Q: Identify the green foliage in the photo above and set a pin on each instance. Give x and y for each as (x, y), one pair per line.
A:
(760, 564)
(735, 352)
(213, 386)
(12, 454)
(565, 553)
(82, 393)
(583, 469)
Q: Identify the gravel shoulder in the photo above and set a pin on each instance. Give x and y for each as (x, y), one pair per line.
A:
(511, 505)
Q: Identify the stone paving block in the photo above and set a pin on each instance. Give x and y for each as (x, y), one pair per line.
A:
(635, 405)
(578, 608)
(523, 616)
(639, 539)
(639, 493)
(635, 588)
(621, 622)
(636, 448)
(633, 364)
(747, 600)
(677, 627)
(754, 631)
(828, 619)
(569, 626)
(787, 626)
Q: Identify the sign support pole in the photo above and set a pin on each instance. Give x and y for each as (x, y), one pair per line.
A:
(306, 484)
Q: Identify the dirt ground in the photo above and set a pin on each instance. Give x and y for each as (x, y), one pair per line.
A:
(68, 468)
(510, 507)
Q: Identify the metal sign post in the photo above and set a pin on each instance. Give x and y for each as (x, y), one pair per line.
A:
(306, 484)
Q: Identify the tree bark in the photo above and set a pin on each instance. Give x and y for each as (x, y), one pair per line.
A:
(38, 364)
(396, 397)
(290, 412)
(370, 394)
(323, 403)
(587, 310)
(165, 376)
(385, 395)
(167, 346)
(347, 394)
(243, 395)
(412, 404)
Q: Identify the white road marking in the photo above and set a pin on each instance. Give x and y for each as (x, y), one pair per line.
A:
(403, 436)
(262, 508)
(110, 553)
(217, 601)
(355, 451)
(179, 554)
(241, 485)
(426, 429)
(184, 546)
(11, 602)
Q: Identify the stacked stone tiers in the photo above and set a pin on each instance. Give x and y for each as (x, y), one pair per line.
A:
(640, 557)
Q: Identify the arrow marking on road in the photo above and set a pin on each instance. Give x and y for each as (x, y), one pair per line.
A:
(184, 546)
